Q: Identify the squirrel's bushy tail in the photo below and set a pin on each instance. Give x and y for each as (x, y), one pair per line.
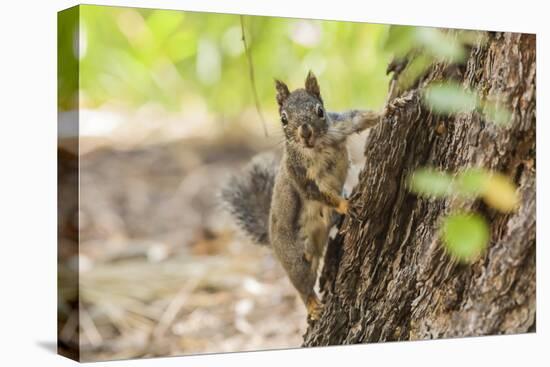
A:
(247, 196)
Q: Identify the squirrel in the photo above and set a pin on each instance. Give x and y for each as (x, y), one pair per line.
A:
(291, 203)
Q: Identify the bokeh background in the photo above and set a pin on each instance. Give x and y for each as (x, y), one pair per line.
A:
(167, 112)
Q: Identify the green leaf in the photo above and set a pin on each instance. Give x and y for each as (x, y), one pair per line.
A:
(431, 183)
(449, 98)
(181, 46)
(472, 182)
(439, 44)
(501, 193)
(465, 236)
(416, 68)
(400, 40)
(497, 115)
(164, 23)
(472, 38)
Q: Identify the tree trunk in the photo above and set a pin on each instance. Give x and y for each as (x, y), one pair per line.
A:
(386, 275)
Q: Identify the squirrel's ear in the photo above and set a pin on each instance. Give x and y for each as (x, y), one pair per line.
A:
(282, 92)
(312, 87)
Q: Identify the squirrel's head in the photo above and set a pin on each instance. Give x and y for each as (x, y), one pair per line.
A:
(302, 113)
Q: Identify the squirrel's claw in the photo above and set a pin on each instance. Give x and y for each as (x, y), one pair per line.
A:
(397, 103)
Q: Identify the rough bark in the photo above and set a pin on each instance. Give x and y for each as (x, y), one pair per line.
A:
(386, 275)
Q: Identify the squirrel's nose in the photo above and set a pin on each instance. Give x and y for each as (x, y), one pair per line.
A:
(305, 131)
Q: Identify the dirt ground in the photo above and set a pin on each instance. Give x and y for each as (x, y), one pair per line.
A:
(162, 270)
(149, 262)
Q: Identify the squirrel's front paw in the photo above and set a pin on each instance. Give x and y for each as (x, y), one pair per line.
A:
(343, 207)
(314, 308)
(364, 120)
(397, 103)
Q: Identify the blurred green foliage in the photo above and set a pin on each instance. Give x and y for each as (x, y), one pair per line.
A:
(430, 182)
(496, 189)
(136, 56)
(133, 57)
(438, 44)
(449, 98)
(422, 47)
(67, 66)
(465, 235)
(452, 98)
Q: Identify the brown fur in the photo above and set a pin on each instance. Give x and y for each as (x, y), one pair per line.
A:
(308, 186)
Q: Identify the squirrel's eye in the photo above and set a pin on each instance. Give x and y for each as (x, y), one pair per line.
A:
(320, 111)
(284, 118)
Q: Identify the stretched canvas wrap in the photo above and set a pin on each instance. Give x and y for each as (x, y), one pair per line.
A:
(236, 183)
